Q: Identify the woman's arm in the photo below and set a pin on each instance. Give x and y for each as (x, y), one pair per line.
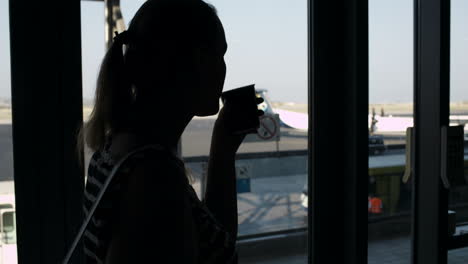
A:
(221, 193)
(155, 223)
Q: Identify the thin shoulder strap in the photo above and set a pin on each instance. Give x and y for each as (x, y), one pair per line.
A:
(106, 184)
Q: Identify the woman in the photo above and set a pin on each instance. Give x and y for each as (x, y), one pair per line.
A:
(171, 70)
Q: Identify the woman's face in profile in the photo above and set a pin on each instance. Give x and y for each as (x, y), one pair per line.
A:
(212, 76)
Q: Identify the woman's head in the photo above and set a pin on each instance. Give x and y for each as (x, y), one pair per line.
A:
(179, 45)
(173, 64)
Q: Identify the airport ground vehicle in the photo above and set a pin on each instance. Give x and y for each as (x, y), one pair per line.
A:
(8, 253)
(386, 183)
(376, 144)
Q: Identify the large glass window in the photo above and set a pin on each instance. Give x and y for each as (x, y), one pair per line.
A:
(8, 253)
(458, 193)
(267, 47)
(390, 114)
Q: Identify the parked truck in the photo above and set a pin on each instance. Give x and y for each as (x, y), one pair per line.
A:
(8, 254)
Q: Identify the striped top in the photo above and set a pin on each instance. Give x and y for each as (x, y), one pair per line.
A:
(216, 245)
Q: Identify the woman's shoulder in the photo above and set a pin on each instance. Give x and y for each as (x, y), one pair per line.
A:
(151, 165)
(155, 181)
(155, 157)
(141, 153)
(157, 165)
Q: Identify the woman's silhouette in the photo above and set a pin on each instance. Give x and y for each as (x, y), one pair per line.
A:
(165, 69)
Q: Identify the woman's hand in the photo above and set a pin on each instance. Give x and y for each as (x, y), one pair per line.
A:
(224, 142)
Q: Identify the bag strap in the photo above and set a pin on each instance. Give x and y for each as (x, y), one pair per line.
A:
(101, 193)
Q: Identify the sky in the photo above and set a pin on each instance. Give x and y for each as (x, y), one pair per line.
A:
(268, 46)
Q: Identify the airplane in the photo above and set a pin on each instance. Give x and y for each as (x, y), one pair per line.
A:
(376, 123)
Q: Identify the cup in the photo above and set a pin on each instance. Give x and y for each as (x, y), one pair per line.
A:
(241, 106)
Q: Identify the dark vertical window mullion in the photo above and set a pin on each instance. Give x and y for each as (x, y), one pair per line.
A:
(338, 143)
(431, 108)
(47, 112)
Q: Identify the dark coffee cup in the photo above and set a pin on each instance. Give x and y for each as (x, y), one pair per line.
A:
(241, 106)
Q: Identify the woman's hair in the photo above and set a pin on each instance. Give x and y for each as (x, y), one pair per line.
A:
(160, 44)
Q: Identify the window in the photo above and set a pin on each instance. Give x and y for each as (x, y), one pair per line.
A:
(390, 114)
(268, 48)
(458, 193)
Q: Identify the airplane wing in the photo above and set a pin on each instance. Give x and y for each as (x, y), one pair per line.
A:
(293, 119)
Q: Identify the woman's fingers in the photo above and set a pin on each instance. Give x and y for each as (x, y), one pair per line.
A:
(260, 100)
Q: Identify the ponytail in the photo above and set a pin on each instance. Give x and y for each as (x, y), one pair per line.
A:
(113, 97)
